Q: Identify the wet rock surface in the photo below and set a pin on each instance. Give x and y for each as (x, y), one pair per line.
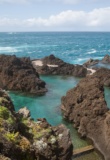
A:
(18, 74)
(21, 138)
(61, 68)
(86, 107)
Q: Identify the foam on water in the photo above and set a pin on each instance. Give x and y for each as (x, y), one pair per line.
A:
(8, 50)
(92, 51)
(65, 45)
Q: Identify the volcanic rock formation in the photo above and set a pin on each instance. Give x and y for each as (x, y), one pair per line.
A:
(86, 107)
(55, 66)
(91, 62)
(18, 74)
(21, 138)
(106, 59)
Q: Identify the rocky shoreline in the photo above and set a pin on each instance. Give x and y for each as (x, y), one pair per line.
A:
(52, 65)
(21, 138)
(18, 74)
(86, 107)
(93, 62)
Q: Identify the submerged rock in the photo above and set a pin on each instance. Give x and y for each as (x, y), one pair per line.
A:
(18, 74)
(21, 138)
(86, 107)
(52, 65)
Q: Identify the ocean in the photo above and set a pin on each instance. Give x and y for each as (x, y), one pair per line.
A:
(72, 47)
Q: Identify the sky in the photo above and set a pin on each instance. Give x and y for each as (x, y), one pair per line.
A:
(54, 15)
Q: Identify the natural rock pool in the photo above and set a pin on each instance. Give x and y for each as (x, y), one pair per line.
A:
(48, 106)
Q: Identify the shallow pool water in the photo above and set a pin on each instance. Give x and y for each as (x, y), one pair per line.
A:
(48, 106)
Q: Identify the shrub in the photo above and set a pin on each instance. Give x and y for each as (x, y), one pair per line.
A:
(12, 136)
(4, 113)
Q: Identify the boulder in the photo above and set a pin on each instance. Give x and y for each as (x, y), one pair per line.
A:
(52, 60)
(24, 112)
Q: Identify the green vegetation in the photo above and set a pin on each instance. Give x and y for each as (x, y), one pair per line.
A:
(12, 136)
(4, 112)
(6, 116)
(2, 99)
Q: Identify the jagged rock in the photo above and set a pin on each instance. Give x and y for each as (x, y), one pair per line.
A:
(52, 60)
(24, 112)
(90, 62)
(86, 107)
(5, 100)
(104, 75)
(55, 66)
(18, 74)
(22, 138)
(106, 59)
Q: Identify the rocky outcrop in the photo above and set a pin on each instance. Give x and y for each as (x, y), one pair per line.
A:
(18, 74)
(104, 75)
(106, 59)
(52, 60)
(86, 107)
(24, 112)
(91, 62)
(55, 66)
(21, 138)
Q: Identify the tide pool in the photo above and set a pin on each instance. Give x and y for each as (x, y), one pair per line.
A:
(48, 106)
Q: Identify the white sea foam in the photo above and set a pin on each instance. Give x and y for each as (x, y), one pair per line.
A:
(29, 52)
(8, 49)
(82, 59)
(100, 58)
(92, 51)
(11, 32)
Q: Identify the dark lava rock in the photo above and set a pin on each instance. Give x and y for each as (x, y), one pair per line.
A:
(86, 107)
(18, 74)
(106, 59)
(52, 60)
(104, 75)
(62, 67)
(21, 138)
(90, 63)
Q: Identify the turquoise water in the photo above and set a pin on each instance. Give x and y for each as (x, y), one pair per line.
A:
(72, 47)
(47, 106)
